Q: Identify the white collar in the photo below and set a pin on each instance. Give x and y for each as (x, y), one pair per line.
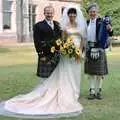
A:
(48, 21)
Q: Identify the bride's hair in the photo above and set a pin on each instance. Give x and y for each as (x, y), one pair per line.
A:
(72, 11)
(80, 20)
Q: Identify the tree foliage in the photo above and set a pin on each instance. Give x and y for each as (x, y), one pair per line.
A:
(110, 7)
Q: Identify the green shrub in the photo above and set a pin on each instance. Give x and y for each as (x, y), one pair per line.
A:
(110, 7)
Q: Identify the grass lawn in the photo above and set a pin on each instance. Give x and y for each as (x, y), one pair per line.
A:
(17, 75)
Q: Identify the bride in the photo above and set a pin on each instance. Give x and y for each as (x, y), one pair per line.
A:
(59, 94)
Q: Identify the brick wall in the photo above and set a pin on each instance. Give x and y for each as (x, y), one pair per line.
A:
(42, 3)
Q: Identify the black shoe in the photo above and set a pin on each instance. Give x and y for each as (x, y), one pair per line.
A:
(91, 97)
(99, 96)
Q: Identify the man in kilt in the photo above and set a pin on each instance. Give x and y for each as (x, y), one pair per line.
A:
(95, 60)
(45, 33)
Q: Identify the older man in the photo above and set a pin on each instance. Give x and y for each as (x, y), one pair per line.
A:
(45, 34)
(95, 62)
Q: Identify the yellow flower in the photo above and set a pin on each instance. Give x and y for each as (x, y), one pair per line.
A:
(69, 40)
(77, 51)
(65, 45)
(52, 49)
(63, 52)
(70, 51)
(58, 42)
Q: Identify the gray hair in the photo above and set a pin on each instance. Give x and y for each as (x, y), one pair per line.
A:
(93, 5)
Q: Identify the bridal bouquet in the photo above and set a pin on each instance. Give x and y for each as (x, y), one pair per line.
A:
(67, 48)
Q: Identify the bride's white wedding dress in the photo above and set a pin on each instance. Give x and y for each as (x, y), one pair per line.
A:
(57, 95)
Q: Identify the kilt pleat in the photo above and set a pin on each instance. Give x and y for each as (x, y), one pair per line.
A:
(96, 67)
(45, 69)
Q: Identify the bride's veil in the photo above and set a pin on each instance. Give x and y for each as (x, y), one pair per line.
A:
(80, 20)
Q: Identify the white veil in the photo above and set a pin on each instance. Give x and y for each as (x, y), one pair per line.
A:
(80, 20)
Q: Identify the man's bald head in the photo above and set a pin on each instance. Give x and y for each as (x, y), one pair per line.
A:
(49, 7)
(49, 12)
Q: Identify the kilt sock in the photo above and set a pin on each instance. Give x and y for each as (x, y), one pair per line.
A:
(92, 83)
(99, 81)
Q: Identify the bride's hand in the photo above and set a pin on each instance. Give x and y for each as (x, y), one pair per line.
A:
(78, 58)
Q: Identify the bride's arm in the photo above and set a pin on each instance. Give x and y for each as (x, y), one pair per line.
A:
(83, 41)
(82, 44)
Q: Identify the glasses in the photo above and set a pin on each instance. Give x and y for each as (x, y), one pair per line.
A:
(72, 15)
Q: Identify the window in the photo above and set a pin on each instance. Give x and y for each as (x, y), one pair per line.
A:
(32, 16)
(7, 14)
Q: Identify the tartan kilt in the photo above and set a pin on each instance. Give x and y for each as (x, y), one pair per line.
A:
(45, 68)
(96, 67)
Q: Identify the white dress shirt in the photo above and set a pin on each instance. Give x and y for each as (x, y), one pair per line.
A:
(91, 31)
(50, 23)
